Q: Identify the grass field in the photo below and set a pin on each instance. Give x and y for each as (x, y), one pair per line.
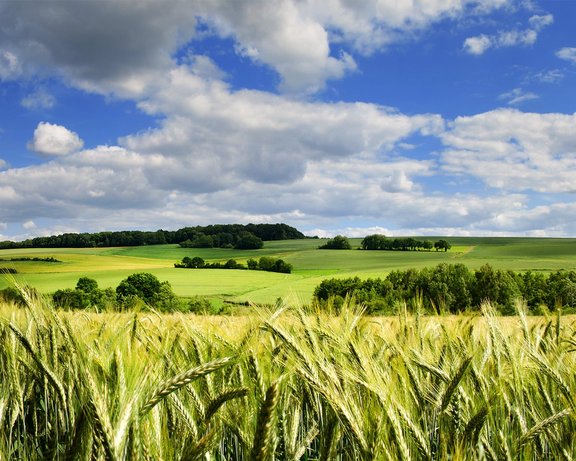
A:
(110, 265)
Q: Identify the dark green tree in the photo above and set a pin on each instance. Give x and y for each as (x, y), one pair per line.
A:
(339, 242)
(144, 286)
(442, 245)
(252, 264)
(249, 241)
(87, 285)
(374, 242)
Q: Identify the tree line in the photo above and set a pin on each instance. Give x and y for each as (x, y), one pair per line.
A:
(265, 263)
(381, 242)
(453, 288)
(221, 234)
(242, 241)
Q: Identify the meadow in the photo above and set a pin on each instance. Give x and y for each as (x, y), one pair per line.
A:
(285, 384)
(110, 265)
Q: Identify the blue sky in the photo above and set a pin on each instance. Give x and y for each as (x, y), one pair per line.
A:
(429, 117)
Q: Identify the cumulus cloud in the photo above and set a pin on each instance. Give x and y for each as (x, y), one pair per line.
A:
(374, 24)
(306, 43)
(225, 155)
(479, 44)
(514, 151)
(568, 54)
(280, 34)
(260, 136)
(68, 39)
(50, 139)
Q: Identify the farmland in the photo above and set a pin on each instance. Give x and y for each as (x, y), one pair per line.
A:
(110, 265)
(283, 382)
(285, 385)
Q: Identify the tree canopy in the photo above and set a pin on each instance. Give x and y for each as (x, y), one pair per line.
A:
(217, 235)
(339, 242)
(455, 288)
(381, 242)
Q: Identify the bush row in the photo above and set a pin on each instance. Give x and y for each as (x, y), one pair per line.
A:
(138, 291)
(265, 263)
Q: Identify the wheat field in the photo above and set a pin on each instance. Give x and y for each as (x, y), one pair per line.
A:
(285, 384)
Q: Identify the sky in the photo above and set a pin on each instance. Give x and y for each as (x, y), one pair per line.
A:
(400, 117)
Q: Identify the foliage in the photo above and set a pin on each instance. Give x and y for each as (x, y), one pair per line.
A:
(265, 263)
(200, 236)
(248, 241)
(110, 266)
(442, 245)
(11, 295)
(146, 287)
(455, 288)
(339, 242)
(290, 386)
(381, 242)
(86, 295)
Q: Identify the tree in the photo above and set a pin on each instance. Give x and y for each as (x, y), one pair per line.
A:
(374, 242)
(337, 243)
(87, 285)
(232, 264)
(266, 263)
(71, 299)
(283, 267)
(249, 241)
(144, 286)
(442, 245)
(191, 263)
(252, 264)
(203, 241)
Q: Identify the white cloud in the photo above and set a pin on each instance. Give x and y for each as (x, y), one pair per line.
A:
(282, 35)
(478, 45)
(568, 54)
(224, 155)
(517, 96)
(29, 225)
(39, 99)
(306, 43)
(260, 136)
(374, 24)
(514, 151)
(56, 140)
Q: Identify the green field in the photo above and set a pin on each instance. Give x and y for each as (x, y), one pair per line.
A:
(110, 265)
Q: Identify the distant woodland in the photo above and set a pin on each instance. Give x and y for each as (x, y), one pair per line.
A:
(217, 235)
